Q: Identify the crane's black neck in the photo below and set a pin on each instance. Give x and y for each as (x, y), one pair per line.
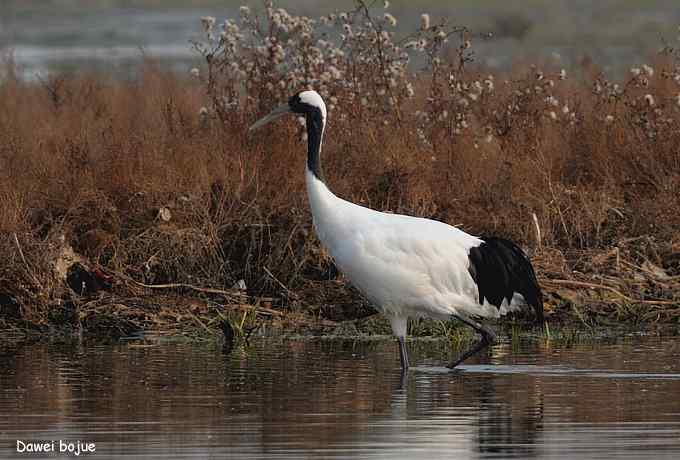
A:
(315, 125)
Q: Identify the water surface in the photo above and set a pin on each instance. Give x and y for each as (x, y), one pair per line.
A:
(112, 36)
(341, 399)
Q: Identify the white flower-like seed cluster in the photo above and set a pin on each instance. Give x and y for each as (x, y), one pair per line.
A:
(363, 69)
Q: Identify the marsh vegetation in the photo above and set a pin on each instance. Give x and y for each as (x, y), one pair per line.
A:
(151, 197)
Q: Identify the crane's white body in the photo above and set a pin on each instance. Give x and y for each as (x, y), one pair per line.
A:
(406, 266)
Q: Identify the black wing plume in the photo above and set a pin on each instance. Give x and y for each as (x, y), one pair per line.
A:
(501, 269)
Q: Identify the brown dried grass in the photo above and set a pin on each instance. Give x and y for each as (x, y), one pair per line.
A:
(92, 160)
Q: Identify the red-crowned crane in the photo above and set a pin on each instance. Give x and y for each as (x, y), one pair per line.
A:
(409, 266)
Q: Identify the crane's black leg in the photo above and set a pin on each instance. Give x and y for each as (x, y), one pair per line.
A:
(487, 339)
(403, 354)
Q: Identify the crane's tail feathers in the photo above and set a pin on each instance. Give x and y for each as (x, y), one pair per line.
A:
(501, 270)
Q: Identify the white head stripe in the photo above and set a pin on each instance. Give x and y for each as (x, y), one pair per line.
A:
(312, 98)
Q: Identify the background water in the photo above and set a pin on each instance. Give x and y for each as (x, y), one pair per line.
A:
(340, 399)
(112, 35)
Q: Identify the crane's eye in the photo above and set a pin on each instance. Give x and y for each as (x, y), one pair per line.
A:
(294, 102)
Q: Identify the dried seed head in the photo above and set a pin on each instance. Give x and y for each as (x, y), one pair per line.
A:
(164, 214)
(424, 21)
(208, 23)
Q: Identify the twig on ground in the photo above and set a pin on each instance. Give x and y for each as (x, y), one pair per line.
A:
(28, 268)
(610, 289)
(283, 286)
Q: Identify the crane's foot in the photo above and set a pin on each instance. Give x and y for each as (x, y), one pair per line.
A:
(487, 339)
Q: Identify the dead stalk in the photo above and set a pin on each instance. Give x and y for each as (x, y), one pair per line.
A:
(23, 259)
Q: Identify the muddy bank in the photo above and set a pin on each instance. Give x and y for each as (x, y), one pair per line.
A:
(588, 292)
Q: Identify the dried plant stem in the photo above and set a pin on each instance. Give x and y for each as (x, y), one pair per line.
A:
(608, 288)
(539, 241)
(283, 286)
(200, 323)
(230, 293)
(233, 293)
(23, 258)
(664, 281)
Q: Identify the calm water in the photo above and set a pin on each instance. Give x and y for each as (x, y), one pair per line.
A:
(113, 35)
(342, 399)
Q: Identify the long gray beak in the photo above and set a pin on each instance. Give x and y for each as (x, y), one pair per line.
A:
(273, 115)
